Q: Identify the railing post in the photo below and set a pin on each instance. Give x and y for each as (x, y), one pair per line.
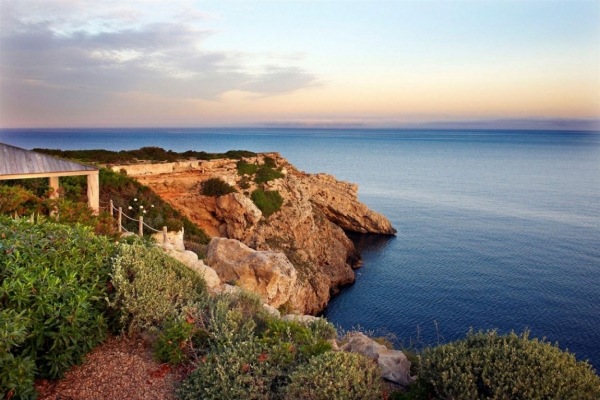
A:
(165, 239)
(111, 207)
(120, 219)
(141, 226)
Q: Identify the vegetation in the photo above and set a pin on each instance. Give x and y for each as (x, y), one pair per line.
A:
(336, 376)
(267, 201)
(15, 199)
(216, 187)
(264, 174)
(153, 154)
(53, 281)
(152, 289)
(250, 354)
(245, 168)
(486, 365)
(126, 192)
(62, 288)
(134, 198)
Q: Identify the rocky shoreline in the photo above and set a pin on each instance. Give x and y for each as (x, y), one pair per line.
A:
(295, 258)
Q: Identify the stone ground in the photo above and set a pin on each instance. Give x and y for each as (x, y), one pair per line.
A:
(120, 368)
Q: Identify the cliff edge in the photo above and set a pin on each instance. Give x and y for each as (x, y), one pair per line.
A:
(307, 230)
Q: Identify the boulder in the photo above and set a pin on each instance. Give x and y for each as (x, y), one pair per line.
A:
(267, 273)
(209, 274)
(174, 240)
(190, 259)
(393, 363)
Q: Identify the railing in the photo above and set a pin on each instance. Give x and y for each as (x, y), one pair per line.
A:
(140, 220)
(115, 213)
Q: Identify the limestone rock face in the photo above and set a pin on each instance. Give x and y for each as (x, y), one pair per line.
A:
(308, 229)
(267, 273)
(339, 202)
(239, 215)
(393, 363)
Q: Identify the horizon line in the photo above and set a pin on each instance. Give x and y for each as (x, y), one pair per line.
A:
(528, 124)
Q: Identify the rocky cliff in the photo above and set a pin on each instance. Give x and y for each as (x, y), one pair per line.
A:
(307, 231)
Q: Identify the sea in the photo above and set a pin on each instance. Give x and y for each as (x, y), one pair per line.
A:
(496, 229)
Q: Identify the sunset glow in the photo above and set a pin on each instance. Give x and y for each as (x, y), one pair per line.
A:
(380, 64)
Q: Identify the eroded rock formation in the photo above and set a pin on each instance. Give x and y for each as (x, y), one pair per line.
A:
(394, 364)
(267, 273)
(308, 230)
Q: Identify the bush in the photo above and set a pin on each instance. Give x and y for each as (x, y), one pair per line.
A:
(53, 282)
(216, 187)
(239, 371)
(488, 365)
(269, 201)
(16, 371)
(303, 341)
(199, 249)
(242, 365)
(173, 342)
(336, 375)
(245, 168)
(151, 288)
(270, 162)
(264, 173)
(229, 323)
(15, 199)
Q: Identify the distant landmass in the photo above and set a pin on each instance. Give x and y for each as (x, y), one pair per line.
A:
(501, 124)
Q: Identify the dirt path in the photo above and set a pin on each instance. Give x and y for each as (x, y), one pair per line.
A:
(120, 368)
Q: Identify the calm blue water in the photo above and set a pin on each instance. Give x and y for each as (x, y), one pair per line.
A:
(495, 229)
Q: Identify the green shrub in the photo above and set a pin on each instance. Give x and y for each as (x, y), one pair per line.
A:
(15, 199)
(173, 341)
(245, 168)
(270, 162)
(305, 341)
(228, 324)
(71, 212)
(242, 365)
(238, 371)
(53, 282)
(216, 187)
(152, 288)
(264, 173)
(16, 372)
(198, 248)
(269, 201)
(488, 365)
(336, 376)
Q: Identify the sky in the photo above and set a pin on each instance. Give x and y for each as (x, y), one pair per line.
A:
(105, 63)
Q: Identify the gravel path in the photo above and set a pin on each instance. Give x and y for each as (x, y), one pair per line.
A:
(120, 368)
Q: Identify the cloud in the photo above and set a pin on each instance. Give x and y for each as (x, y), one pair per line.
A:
(280, 80)
(95, 50)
